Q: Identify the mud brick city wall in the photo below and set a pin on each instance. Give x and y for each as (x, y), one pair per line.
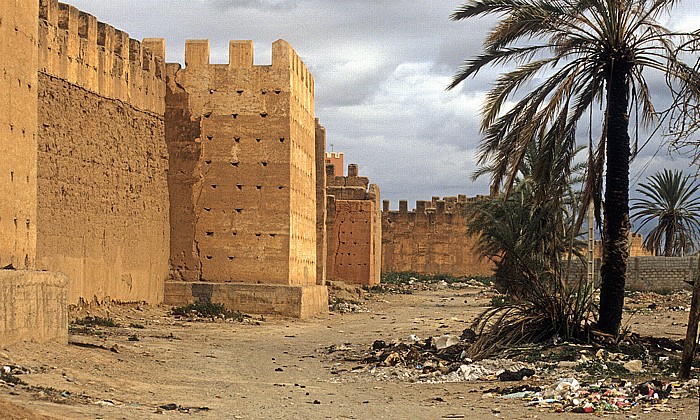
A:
(432, 239)
(242, 147)
(321, 203)
(102, 160)
(353, 228)
(636, 246)
(18, 127)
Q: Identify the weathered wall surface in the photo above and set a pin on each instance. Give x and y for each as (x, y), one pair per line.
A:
(242, 142)
(18, 127)
(636, 247)
(75, 47)
(431, 240)
(32, 306)
(102, 161)
(321, 202)
(353, 227)
(651, 273)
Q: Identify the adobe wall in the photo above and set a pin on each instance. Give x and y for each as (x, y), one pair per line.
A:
(18, 128)
(103, 212)
(354, 228)
(432, 239)
(33, 307)
(321, 203)
(32, 303)
(242, 146)
(636, 245)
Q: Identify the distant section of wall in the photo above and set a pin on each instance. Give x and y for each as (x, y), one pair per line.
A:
(636, 247)
(432, 239)
(32, 307)
(102, 162)
(321, 202)
(354, 228)
(337, 160)
(18, 127)
(242, 143)
(651, 273)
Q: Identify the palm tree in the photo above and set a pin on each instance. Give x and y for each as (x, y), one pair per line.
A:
(671, 199)
(587, 53)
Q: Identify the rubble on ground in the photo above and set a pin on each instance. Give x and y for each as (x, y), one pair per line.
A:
(567, 395)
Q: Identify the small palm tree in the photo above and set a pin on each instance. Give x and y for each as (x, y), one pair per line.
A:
(672, 200)
(571, 57)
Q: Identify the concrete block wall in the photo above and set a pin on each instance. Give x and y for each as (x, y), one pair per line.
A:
(432, 239)
(647, 273)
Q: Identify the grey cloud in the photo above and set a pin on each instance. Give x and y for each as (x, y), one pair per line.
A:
(380, 66)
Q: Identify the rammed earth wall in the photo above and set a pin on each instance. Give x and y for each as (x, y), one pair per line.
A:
(102, 159)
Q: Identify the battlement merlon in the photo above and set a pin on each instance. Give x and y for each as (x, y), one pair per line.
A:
(156, 46)
(76, 47)
(241, 55)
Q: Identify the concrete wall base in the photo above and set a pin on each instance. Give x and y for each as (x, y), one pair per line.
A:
(263, 299)
(33, 306)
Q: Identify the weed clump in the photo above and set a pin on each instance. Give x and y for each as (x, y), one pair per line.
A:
(207, 309)
(10, 378)
(96, 321)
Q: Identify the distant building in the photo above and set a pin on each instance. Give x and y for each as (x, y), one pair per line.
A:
(337, 160)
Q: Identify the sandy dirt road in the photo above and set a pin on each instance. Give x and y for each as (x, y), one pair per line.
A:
(280, 368)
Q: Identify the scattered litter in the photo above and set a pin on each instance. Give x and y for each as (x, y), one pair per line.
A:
(516, 376)
(445, 341)
(176, 407)
(604, 396)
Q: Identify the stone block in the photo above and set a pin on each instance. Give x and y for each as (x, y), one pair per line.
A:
(33, 306)
(265, 299)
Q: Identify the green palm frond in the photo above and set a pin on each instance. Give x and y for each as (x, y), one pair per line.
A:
(670, 199)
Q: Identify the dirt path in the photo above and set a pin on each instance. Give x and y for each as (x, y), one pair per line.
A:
(279, 369)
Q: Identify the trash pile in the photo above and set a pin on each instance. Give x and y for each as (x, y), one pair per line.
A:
(439, 359)
(567, 395)
(345, 306)
(402, 283)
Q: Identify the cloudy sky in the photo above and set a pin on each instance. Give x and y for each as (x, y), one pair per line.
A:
(381, 68)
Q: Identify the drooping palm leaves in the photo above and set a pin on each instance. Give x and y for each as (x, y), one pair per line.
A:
(670, 199)
(531, 236)
(571, 57)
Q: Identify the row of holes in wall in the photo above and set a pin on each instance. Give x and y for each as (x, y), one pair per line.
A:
(210, 137)
(240, 91)
(240, 188)
(235, 115)
(349, 264)
(16, 222)
(20, 83)
(235, 233)
(12, 177)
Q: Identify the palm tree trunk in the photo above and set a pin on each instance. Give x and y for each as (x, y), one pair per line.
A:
(668, 241)
(616, 209)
